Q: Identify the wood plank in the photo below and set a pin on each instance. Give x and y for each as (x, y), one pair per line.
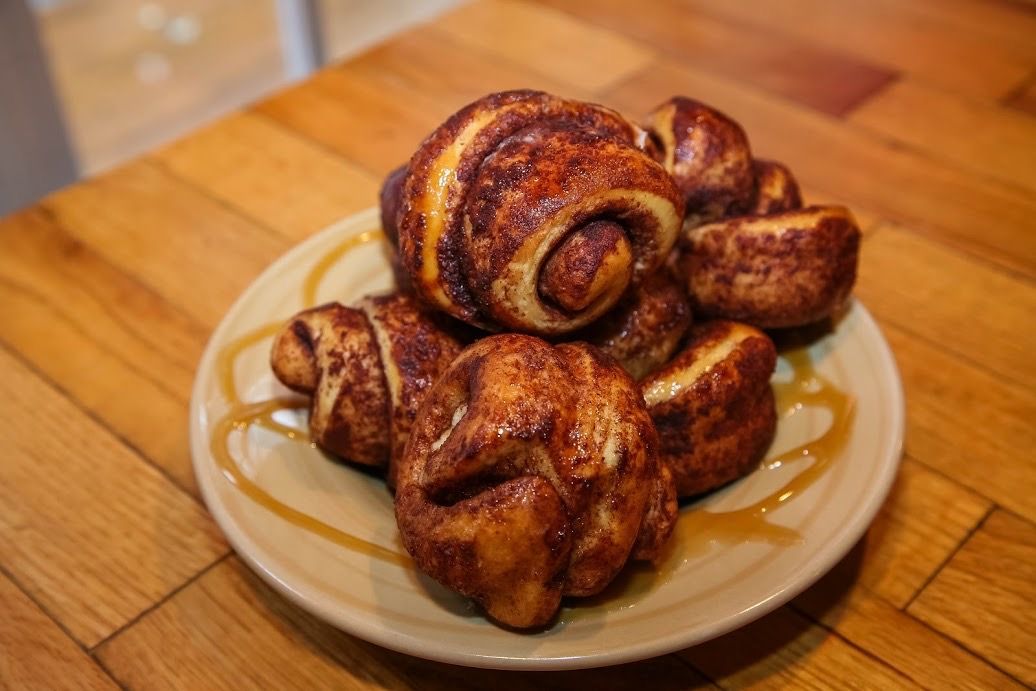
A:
(188, 248)
(427, 62)
(406, 86)
(1007, 24)
(984, 138)
(786, 650)
(86, 527)
(228, 629)
(980, 215)
(889, 36)
(985, 445)
(271, 175)
(935, 291)
(36, 654)
(819, 77)
(1024, 97)
(551, 43)
(107, 341)
(986, 596)
(917, 651)
(926, 517)
(361, 120)
(666, 673)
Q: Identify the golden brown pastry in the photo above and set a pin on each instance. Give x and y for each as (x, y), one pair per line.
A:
(389, 200)
(776, 189)
(785, 269)
(643, 331)
(713, 405)
(367, 370)
(708, 155)
(533, 213)
(531, 473)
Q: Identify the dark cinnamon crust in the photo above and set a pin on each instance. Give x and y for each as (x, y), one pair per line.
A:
(330, 353)
(788, 269)
(644, 330)
(776, 189)
(708, 155)
(512, 169)
(718, 426)
(389, 200)
(531, 473)
(416, 346)
(367, 371)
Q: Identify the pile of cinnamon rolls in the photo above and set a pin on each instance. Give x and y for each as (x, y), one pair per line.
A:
(535, 390)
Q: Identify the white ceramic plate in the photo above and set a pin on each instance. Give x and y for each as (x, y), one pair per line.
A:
(714, 582)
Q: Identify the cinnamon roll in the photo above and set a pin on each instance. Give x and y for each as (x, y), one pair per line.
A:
(708, 155)
(785, 269)
(367, 370)
(713, 405)
(643, 331)
(776, 189)
(531, 473)
(533, 213)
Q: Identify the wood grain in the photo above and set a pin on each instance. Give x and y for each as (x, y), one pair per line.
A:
(190, 250)
(36, 654)
(982, 216)
(271, 175)
(983, 138)
(91, 532)
(1024, 97)
(821, 78)
(921, 524)
(925, 656)
(892, 36)
(931, 290)
(986, 596)
(786, 650)
(228, 629)
(983, 444)
(430, 64)
(552, 43)
(59, 299)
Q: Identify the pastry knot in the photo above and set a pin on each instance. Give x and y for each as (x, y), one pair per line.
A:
(532, 472)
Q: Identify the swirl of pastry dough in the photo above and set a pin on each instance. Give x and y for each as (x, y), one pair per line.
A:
(708, 155)
(785, 269)
(531, 473)
(713, 405)
(533, 213)
(643, 331)
(367, 370)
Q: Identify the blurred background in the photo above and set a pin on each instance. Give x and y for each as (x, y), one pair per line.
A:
(100, 81)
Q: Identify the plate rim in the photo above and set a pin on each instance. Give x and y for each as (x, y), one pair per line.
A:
(820, 563)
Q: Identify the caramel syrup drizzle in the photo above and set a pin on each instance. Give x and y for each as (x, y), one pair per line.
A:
(696, 528)
(242, 416)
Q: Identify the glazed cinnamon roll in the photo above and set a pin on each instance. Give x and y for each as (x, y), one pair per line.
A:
(643, 331)
(785, 269)
(713, 405)
(367, 370)
(531, 473)
(533, 213)
(708, 155)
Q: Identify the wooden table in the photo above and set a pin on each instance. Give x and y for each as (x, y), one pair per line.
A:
(918, 115)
